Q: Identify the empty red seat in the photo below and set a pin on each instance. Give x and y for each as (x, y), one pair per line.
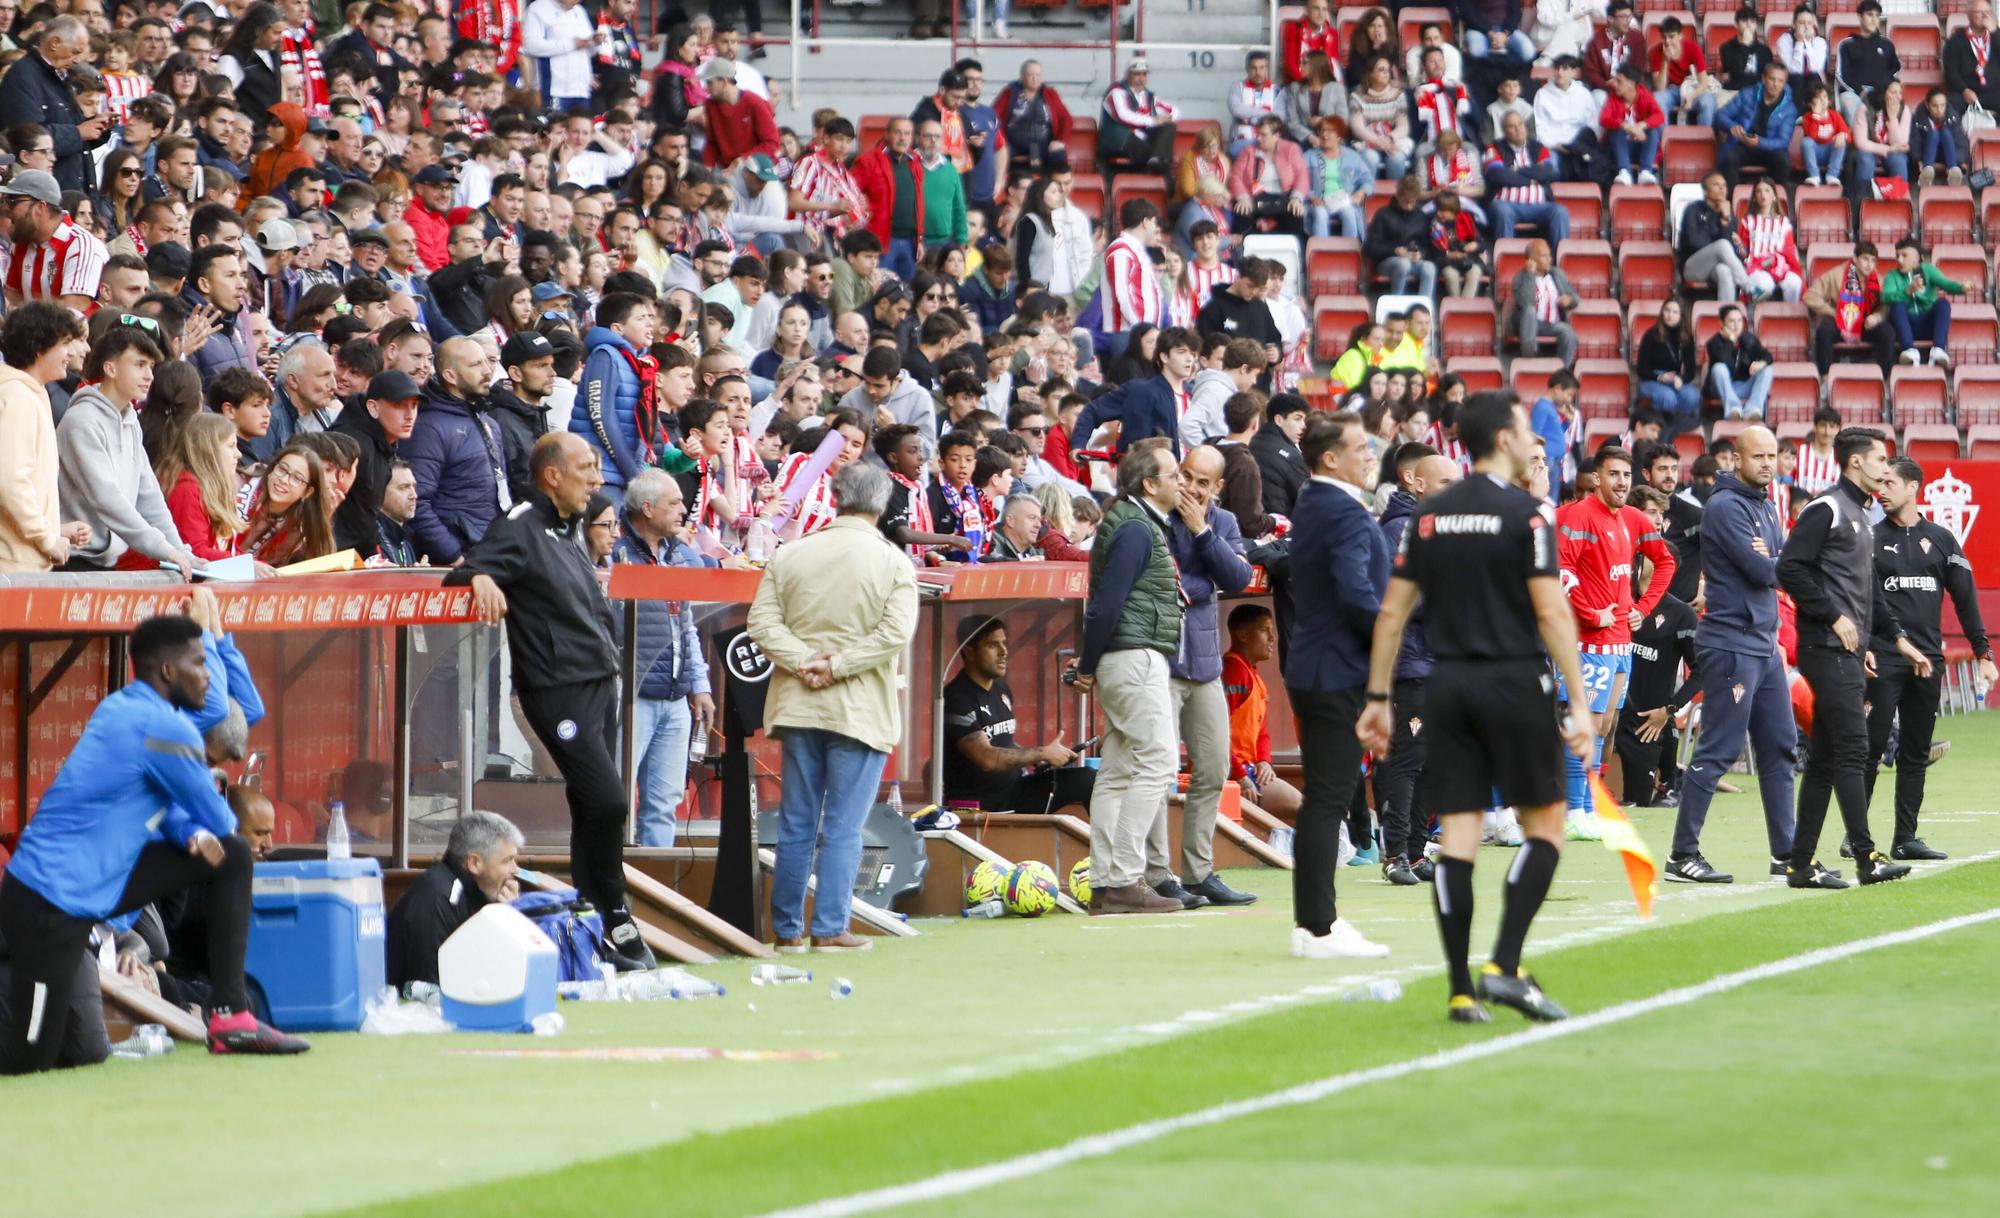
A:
(1983, 442)
(1647, 269)
(1604, 388)
(1687, 153)
(1819, 217)
(1917, 394)
(1088, 194)
(1948, 215)
(1638, 213)
(1529, 377)
(1479, 372)
(1597, 431)
(1082, 145)
(1133, 186)
(1975, 332)
(1967, 265)
(1600, 329)
(1917, 40)
(1884, 221)
(1795, 388)
(1334, 318)
(1784, 329)
(1585, 204)
(1931, 442)
(1976, 391)
(1855, 390)
(1468, 325)
(1986, 148)
(1333, 266)
(1587, 262)
(1826, 255)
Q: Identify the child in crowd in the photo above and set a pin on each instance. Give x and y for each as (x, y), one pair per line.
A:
(1825, 137)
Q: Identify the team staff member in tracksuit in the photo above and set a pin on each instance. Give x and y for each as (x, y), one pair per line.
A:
(1828, 570)
(1917, 562)
(1483, 558)
(531, 567)
(1743, 682)
(1662, 643)
(1420, 473)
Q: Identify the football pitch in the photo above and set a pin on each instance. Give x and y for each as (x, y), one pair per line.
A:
(1750, 1051)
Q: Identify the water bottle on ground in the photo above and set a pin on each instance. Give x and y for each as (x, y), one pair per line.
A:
(549, 1023)
(337, 845)
(683, 984)
(985, 909)
(778, 974)
(1385, 990)
(842, 988)
(148, 1040)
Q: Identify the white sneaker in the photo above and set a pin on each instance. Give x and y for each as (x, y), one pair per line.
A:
(1622, 178)
(1940, 357)
(1341, 941)
(1000, 31)
(1811, 179)
(1910, 357)
(1648, 178)
(1581, 826)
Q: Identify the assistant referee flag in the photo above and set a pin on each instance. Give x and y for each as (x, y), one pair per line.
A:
(1622, 839)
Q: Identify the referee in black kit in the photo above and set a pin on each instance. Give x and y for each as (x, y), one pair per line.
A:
(1483, 558)
(1827, 567)
(565, 650)
(1917, 561)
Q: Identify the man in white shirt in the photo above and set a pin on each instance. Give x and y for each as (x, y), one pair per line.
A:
(1432, 35)
(1566, 117)
(607, 157)
(560, 36)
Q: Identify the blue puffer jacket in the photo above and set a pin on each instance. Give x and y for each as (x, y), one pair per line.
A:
(1413, 662)
(455, 454)
(1742, 112)
(225, 348)
(669, 643)
(607, 406)
(1742, 614)
(1211, 565)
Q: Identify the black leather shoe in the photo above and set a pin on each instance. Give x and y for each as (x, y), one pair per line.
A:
(1216, 892)
(1424, 870)
(1172, 890)
(1918, 850)
(1397, 871)
(1814, 876)
(624, 950)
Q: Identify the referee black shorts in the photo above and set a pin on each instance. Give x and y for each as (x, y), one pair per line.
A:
(1490, 736)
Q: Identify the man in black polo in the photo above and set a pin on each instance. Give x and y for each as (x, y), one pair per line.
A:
(1917, 561)
(983, 764)
(1827, 569)
(1483, 558)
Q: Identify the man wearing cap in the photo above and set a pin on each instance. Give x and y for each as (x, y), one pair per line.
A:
(428, 214)
(518, 403)
(1135, 128)
(278, 241)
(558, 34)
(388, 416)
(739, 123)
(551, 297)
(33, 91)
(371, 254)
(52, 258)
(891, 178)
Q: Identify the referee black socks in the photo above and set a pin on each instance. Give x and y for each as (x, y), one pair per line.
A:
(1527, 886)
(1451, 889)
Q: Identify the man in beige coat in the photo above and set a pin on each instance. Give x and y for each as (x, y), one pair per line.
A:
(35, 342)
(834, 613)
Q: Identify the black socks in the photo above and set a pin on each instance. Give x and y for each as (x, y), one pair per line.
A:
(1451, 890)
(1527, 886)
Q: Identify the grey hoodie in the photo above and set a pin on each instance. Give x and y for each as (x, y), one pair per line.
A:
(908, 401)
(1208, 392)
(105, 481)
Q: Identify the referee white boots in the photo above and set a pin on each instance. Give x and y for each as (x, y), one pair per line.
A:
(1340, 942)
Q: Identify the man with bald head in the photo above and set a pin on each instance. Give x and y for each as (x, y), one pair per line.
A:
(1421, 471)
(455, 453)
(1208, 547)
(1744, 685)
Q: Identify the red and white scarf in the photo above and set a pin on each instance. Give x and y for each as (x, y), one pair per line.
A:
(297, 50)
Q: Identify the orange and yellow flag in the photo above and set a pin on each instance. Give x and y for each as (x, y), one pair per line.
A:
(1621, 837)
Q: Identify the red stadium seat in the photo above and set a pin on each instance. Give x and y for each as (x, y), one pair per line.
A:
(1530, 377)
(1948, 215)
(1378, 198)
(1691, 446)
(1727, 429)
(1138, 186)
(1820, 215)
(1983, 442)
(1334, 317)
(1838, 27)
(1646, 268)
(1333, 266)
(1468, 325)
(1784, 328)
(1597, 431)
(1976, 391)
(1986, 148)
(1855, 390)
(1968, 265)
(1706, 318)
(1917, 394)
(873, 127)
(1082, 145)
(1794, 432)
(1605, 388)
(1587, 262)
(1187, 132)
(1509, 255)
(1478, 371)
(1918, 44)
(1585, 204)
(1931, 442)
(1796, 385)
(1884, 221)
(1975, 332)
(1825, 256)
(1717, 27)
(1687, 153)
(1640, 316)
(1600, 329)
(1638, 213)
(1088, 194)
(1411, 23)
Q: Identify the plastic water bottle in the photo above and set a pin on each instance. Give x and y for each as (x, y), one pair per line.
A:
(1385, 990)
(842, 988)
(985, 909)
(337, 846)
(148, 1040)
(424, 992)
(683, 984)
(896, 798)
(779, 974)
(757, 542)
(698, 740)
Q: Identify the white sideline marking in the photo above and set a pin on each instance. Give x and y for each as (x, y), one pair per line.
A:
(1101, 1145)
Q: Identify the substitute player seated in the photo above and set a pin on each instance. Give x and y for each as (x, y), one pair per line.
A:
(983, 765)
(132, 817)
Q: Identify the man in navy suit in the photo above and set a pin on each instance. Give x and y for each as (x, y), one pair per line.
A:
(1339, 569)
(1152, 407)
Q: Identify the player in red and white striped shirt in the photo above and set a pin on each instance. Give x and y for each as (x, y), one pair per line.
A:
(1131, 289)
(52, 258)
(1817, 469)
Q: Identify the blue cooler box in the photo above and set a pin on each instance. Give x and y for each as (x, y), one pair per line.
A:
(317, 941)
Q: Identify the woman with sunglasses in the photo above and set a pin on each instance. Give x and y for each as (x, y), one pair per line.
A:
(120, 197)
(289, 518)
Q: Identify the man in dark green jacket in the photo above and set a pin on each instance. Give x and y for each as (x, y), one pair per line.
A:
(1131, 627)
(1915, 294)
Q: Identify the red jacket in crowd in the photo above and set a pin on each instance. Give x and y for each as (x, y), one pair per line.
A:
(877, 180)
